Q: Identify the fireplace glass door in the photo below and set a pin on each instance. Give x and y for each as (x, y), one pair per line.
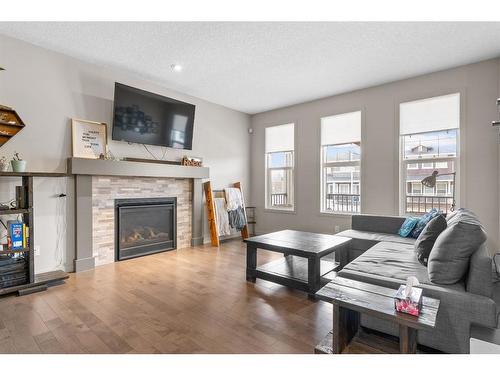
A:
(145, 226)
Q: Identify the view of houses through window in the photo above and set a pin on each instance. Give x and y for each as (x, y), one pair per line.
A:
(279, 167)
(341, 163)
(429, 151)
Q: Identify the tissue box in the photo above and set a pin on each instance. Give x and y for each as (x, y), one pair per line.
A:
(408, 305)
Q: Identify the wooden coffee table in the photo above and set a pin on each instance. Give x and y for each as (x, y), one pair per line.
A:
(303, 267)
(351, 298)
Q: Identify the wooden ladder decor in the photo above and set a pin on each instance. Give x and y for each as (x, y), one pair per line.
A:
(212, 223)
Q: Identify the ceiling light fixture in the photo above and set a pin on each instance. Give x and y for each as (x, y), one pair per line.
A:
(176, 68)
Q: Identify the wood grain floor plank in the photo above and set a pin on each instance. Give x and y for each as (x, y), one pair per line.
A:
(193, 300)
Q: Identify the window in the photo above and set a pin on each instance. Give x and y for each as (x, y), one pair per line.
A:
(427, 165)
(341, 163)
(280, 145)
(429, 132)
(441, 188)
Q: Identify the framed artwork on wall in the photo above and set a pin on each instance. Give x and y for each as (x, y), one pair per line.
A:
(89, 139)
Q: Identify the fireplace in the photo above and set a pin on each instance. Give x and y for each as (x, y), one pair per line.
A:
(144, 226)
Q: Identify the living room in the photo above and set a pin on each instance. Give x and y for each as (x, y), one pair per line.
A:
(249, 187)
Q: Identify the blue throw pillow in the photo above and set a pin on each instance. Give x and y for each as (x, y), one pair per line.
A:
(408, 226)
(422, 222)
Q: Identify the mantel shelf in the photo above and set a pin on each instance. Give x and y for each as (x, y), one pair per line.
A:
(97, 167)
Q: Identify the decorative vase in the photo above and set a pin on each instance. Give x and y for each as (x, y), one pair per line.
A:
(4, 166)
(18, 165)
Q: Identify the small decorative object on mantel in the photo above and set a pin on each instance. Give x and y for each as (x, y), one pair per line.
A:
(189, 161)
(4, 164)
(408, 299)
(89, 139)
(10, 124)
(18, 164)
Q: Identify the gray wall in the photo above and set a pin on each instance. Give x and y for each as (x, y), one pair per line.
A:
(47, 89)
(479, 186)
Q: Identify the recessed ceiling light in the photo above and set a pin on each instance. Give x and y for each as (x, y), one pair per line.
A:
(176, 67)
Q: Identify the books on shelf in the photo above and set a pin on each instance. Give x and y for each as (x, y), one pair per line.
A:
(18, 235)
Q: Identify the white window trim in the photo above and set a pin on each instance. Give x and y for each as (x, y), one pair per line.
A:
(293, 209)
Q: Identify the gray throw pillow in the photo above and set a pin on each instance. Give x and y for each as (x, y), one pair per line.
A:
(449, 258)
(426, 239)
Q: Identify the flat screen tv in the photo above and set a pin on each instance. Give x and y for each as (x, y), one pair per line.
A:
(147, 118)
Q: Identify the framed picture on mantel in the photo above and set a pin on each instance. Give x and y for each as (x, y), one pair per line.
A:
(89, 139)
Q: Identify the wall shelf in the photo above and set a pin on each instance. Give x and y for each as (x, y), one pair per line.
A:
(15, 211)
(17, 274)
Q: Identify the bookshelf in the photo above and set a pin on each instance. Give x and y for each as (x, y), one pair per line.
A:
(17, 267)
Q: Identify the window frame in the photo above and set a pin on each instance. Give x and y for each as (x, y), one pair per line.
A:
(323, 165)
(267, 171)
(403, 168)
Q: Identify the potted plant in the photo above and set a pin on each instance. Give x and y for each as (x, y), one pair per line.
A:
(4, 164)
(18, 164)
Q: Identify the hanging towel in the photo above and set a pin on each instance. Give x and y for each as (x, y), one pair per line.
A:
(233, 198)
(235, 209)
(221, 217)
(237, 218)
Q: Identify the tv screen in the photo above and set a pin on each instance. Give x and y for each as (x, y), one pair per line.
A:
(152, 119)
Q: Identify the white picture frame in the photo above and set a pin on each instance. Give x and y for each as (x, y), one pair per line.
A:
(88, 139)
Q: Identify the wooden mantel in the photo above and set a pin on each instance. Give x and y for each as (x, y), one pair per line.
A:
(97, 167)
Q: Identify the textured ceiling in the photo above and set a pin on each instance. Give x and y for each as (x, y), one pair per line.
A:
(254, 67)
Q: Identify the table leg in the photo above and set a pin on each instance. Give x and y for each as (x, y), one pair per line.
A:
(251, 262)
(345, 326)
(342, 256)
(407, 340)
(313, 276)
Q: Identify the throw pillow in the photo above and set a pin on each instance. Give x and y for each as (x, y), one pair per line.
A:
(422, 222)
(408, 226)
(450, 256)
(426, 239)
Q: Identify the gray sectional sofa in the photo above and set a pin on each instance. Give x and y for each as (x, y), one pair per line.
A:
(380, 256)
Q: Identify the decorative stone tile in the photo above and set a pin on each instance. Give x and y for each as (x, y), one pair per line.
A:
(106, 189)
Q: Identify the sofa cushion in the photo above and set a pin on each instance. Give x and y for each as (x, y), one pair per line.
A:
(426, 239)
(450, 256)
(479, 278)
(408, 226)
(422, 222)
(390, 260)
(363, 240)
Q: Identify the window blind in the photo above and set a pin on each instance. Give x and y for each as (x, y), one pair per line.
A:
(280, 138)
(432, 114)
(341, 129)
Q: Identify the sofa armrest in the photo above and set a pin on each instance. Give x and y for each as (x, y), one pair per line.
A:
(479, 277)
(374, 223)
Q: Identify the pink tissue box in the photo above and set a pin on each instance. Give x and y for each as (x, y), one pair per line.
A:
(408, 305)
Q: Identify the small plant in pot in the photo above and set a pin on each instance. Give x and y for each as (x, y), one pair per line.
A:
(18, 164)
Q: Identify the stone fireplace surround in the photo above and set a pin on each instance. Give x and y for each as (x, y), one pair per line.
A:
(105, 189)
(99, 182)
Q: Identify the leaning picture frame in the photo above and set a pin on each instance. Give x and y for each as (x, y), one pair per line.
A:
(88, 139)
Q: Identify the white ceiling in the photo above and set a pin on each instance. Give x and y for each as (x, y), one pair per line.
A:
(258, 66)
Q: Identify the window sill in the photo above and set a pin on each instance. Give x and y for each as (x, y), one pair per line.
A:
(338, 214)
(280, 210)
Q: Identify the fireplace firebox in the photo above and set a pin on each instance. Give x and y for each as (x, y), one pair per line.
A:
(144, 226)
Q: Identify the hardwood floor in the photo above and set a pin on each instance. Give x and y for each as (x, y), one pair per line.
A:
(193, 300)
